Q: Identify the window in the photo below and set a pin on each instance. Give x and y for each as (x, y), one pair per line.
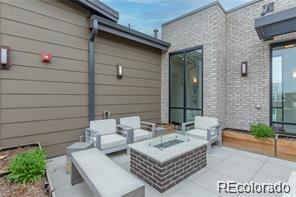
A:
(283, 87)
(186, 85)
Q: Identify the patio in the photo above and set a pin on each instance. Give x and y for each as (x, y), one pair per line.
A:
(223, 164)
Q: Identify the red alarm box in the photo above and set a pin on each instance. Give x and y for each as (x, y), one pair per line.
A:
(46, 57)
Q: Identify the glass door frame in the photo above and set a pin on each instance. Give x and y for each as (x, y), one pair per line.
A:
(184, 108)
(271, 122)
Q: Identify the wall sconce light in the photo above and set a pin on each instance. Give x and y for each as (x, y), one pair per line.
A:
(119, 71)
(294, 74)
(258, 106)
(244, 69)
(106, 115)
(289, 46)
(194, 80)
(4, 58)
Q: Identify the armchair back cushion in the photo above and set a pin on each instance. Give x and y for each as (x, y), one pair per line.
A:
(133, 122)
(104, 126)
(204, 123)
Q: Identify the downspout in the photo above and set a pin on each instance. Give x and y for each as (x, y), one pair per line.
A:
(91, 68)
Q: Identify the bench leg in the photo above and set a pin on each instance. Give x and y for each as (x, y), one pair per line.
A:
(75, 176)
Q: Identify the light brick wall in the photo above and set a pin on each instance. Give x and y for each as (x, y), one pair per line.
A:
(228, 40)
(243, 44)
(202, 28)
(221, 68)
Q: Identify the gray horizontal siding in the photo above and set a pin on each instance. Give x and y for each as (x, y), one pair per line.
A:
(49, 102)
(29, 85)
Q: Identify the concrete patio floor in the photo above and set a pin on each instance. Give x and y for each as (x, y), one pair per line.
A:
(223, 164)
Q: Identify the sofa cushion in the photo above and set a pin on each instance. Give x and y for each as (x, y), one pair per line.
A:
(205, 123)
(201, 134)
(133, 122)
(140, 135)
(104, 126)
(111, 140)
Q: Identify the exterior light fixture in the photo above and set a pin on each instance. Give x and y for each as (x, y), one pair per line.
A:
(106, 114)
(4, 58)
(194, 79)
(294, 74)
(119, 71)
(244, 69)
(267, 8)
(288, 46)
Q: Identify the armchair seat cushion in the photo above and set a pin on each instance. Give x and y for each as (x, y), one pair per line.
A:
(141, 134)
(111, 140)
(201, 134)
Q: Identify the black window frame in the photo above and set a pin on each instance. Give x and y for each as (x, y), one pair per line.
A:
(184, 51)
(271, 122)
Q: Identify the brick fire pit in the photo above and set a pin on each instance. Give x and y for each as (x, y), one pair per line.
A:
(163, 167)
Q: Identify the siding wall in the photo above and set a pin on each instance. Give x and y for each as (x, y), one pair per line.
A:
(49, 102)
(138, 93)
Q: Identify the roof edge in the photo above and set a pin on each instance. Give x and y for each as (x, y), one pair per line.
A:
(242, 6)
(208, 6)
(99, 8)
(194, 12)
(122, 31)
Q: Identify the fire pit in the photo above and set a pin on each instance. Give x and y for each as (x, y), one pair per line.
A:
(165, 161)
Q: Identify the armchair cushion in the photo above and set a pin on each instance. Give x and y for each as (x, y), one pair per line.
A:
(104, 126)
(111, 140)
(205, 123)
(140, 135)
(201, 134)
(133, 122)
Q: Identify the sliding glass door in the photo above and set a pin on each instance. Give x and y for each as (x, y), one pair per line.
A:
(283, 97)
(185, 86)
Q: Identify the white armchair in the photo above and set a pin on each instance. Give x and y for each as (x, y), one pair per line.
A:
(105, 135)
(142, 130)
(204, 128)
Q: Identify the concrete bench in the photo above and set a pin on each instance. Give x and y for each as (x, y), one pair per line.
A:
(103, 176)
(292, 183)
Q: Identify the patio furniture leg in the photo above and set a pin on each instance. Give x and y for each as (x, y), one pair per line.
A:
(75, 176)
(98, 142)
(128, 151)
(86, 133)
(209, 141)
(130, 136)
(209, 147)
(220, 137)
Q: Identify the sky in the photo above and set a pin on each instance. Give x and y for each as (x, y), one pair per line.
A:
(147, 15)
